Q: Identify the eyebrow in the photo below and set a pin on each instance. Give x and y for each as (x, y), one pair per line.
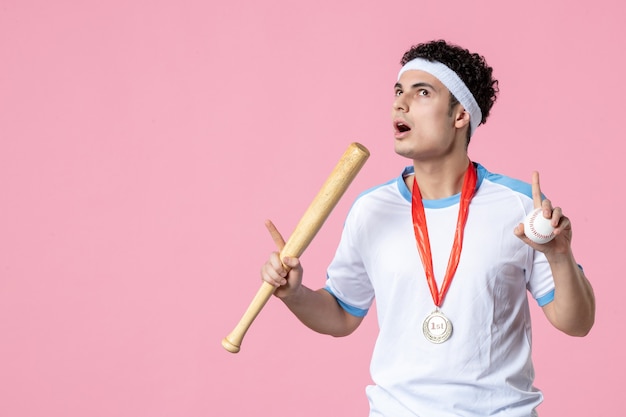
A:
(416, 85)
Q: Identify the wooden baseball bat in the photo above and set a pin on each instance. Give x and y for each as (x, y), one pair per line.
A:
(311, 222)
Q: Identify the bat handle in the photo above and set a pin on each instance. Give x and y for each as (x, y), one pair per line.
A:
(232, 342)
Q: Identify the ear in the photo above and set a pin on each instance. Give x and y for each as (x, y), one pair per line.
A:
(462, 118)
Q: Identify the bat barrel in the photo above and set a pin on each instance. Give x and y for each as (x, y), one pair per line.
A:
(326, 199)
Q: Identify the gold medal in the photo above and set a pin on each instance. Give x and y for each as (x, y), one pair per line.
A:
(437, 328)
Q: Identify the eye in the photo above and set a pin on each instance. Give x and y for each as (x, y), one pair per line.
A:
(397, 93)
(422, 92)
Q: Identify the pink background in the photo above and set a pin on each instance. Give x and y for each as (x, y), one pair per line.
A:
(143, 143)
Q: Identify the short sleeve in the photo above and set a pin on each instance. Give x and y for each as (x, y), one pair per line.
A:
(540, 281)
(347, 278)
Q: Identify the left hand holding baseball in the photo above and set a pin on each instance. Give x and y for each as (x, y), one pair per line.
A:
(561, 242)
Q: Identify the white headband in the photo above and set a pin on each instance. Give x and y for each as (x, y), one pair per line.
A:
(452, 82)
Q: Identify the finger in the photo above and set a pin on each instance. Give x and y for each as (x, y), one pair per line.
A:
(536, 189)
(276, 236)
(547, 209)
(564, 224)
(270, 275)
(277, 265)
(273, 271)
(291, 263)
(519, 230)
(557, 215)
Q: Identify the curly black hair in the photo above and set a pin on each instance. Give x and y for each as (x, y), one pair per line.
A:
(470, 67)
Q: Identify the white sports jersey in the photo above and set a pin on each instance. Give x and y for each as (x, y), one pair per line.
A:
(485, 368)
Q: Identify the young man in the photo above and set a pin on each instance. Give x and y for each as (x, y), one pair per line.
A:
(443, 250)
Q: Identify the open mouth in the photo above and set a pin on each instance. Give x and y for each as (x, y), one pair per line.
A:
(401, 127)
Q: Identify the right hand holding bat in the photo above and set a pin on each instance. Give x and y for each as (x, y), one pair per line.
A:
(285, 276)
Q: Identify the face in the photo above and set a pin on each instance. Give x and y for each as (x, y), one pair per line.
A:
(424, 126)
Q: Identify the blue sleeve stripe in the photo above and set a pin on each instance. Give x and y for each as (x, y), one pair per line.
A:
(355, 311)
(549, 297)
(545, 299)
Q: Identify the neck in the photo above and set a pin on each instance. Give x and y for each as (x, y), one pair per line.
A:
(437, 179)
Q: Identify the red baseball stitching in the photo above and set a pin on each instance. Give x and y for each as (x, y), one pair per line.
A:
(532, 226)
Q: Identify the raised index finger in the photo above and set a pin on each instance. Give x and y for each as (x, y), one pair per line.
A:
(537, 196)
(276, 236)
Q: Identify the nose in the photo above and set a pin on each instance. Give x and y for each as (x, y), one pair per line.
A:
(400, 104)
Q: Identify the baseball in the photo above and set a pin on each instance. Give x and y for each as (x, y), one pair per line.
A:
(537, 228)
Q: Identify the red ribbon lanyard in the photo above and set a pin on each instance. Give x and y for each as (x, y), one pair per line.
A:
(423, 243)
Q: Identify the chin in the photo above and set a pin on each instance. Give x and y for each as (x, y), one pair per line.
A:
(403, 149)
